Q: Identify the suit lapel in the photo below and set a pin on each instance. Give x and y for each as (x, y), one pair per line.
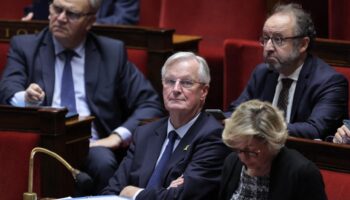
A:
(185, 145)
(155, 141)
(46, 57)
(301, 84)
(92, 66)
(270, 86)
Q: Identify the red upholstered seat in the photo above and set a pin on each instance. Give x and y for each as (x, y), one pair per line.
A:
(241, 57)
(339, 19)
(337, 184)
(140, 58)
(214, 21)
(149, 12)
(13, 9)
(3, 55)
(346, 72)
(15, 148)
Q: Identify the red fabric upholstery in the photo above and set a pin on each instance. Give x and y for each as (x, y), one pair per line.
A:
(3, 55)
(214, 21)
(13, 9)
(339, 19)
(241, 57)
(139, 58)
(337, 184)
(346, 72)
(15, 150)
(149, 12)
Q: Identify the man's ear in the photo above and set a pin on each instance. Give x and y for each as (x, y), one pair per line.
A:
(205, 91)
(92, 20)
(304, 44)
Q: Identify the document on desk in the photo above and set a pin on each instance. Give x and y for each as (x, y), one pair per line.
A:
(103, 197)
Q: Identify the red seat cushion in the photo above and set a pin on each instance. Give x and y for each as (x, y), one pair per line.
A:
(337, 184)
(15, 148)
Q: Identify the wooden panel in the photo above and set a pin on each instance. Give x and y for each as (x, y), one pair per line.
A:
(325, 155)
(68, 138)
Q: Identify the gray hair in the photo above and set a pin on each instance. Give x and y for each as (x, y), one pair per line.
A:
(203, 72)
(95, 5)
(256, 119)
(303, 21)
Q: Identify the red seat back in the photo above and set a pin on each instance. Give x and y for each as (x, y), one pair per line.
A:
(140, 58)
(346, 72)
(15, 148)
(149, 12)
(337, 184)
(214, 21)
(4, 46)
(339, 19)
(13, 9)
(241, 57)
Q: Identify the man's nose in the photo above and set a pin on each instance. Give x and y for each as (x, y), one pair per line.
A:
(269, 45)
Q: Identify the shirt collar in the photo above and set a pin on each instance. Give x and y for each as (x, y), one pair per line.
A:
(294, 76)
(79, 50)
(181, 131)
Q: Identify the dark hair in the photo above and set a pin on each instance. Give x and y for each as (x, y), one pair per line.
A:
(304, 24)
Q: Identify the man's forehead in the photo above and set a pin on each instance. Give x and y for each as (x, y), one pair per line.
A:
(81, 5)
(279, 23)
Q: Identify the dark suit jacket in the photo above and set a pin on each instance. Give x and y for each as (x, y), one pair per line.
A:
(199, 157)
(320, 99)
(116, 92)
(292, 177)
(119, 12)
(110, 12)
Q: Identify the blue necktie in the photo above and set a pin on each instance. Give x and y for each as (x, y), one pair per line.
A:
(67, 87)
(155, 180)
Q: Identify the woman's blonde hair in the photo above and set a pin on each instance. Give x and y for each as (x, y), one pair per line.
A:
(256, 119)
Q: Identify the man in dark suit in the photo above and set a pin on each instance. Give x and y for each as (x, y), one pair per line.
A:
(105, 84)
(193, 171)
(111, 11)
(312, 94)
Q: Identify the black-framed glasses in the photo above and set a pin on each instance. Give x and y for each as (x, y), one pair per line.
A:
(186, 83)
(277, 40)
(247, 152)
(73, 16)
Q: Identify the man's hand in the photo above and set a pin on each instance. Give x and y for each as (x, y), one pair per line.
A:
(113, 141)
(342, 135)
(34, 94)
(177, 182)
(129, 191)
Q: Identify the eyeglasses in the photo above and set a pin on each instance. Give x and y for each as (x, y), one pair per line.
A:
(183, 83)
(247, 152)
(73, 16)
(277, 40)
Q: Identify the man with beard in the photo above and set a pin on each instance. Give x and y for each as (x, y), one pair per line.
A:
(313, 96)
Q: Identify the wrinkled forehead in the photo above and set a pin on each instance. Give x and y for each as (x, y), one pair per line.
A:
(280, 23)
(183, 67)
(74, 5)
